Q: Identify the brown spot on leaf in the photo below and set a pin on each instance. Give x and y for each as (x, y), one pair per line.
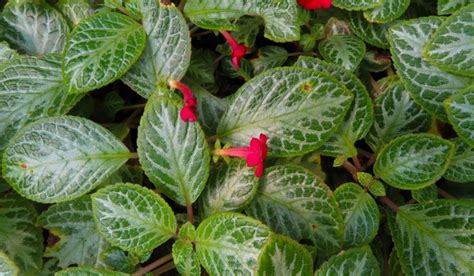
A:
(307, 87)
(314, 226)
(24, 165)
(52, 239)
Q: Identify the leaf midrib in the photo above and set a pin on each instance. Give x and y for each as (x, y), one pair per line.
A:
(88, 157)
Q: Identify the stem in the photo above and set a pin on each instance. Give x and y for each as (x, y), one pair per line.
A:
(189, 209)
(165, 268)
(351, 169)
(302, 54)
(212, 139)
(154, 265)
(375, 86)
(390, 71)
(371, 161)
(387, 201)
(357, 164)
(133, 155)
(181, 5)
(133, 106)
(445, 194)
(201, 33)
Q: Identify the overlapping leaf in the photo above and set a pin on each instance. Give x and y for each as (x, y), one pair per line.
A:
(451, 46)
(395, 114)
(230, 188)
(360, 116)
(450, 6)
(174, 154)
(6, 53)
(460, 109)
(360, 213)
(356, 261)
(428, 85)
(132, 217)
(100, 50)
(80, 242)
(414, 161)
(185, 258)
(281, 17)
(372, 33)
(21, 240)
(7, 266)
(30, 88)
(345, 50)
(61, 158)
(388, 11)
(293, 202)
(461, 166)
(357, 4)
(269, 57)
(284, 256)
(168, 48)
(35, 29)
(435, 238)
(425, 194)
(74, 10)
(84, 270)
(230, 243)
(298, 109)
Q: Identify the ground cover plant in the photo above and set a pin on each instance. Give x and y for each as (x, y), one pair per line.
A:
(235, 137)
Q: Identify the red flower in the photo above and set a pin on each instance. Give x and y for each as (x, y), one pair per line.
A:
(255, 154)
(238, 50)
(315, 4)
(188, 112)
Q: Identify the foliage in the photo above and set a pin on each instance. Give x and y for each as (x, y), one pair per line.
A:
(236, 137)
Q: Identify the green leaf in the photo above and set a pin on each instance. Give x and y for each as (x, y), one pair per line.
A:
(377, 189)
(395, 269)
(414, 161)
(281, 17)
(372, 33)
(185, 258)
(395, 114)
(61, 158)
(356, 261)
(202, 66)
(132, 217)
(360, 212)
(6, 53)
(428, 85)
(425, 194)
(79, 240)
(88, 271)
(360, 116)
(284, 256)
(230, 188)
(187, 231)
(117, 259)
(461, 167)
(100, 50)
(174, 154)
(451, 46)
(35, 29)
(21, 240)
(298, 109)
(436, 238)
(460, 109)
(389, 11)
(30, 88)
(168, 49)
(345, 50)
(294, 202)
(74, 10)
(269, 57)
(357, 5)
(450, 6)
(248, 30)
(245, 69)
(7, 266)
(230, 243)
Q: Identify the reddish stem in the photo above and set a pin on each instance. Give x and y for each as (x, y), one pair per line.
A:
(154, 265)
(387, 201)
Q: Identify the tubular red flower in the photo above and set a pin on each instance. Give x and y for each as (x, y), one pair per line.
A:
(188, 112)
(254, 154)
(315, 4)
(238, 50)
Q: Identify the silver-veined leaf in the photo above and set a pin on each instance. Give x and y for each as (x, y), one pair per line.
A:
(435, 238)
(298, 109)
(294, 202)
(414, 161)
(100, 50)
(132, 217)
(451, 46)
(269, 57)
(74, 10)
(428, 85)
(88, 271)
(345, 50)
(425, 194)
(230, 243)
(460, 109)
(168, 48)
(36, 29)
(280, 17)
(21, 240)
(356, 261)
(461, 166)
(372, 33)
(360, 212)
(185, 259)
(450, 6)
(284, 256)
(174, 154)
(358, 4)
(6, 53)
(61, 158)
(7, 266)
(389, 11)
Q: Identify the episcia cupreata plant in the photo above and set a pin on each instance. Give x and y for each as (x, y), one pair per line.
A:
(235, 137)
